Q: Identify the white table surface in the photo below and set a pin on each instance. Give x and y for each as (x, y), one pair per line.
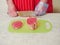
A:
(50, 38)
(7, 38)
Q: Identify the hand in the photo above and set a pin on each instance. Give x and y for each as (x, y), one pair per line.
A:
(41, 8)
(12, 12)
(11, 8)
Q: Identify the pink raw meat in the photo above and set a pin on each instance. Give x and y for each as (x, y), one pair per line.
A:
(17, 24)
(31, 20)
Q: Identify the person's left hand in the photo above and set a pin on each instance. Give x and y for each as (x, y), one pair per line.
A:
(41, 8)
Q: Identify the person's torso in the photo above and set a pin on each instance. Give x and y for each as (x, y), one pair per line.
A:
(24, 5)
(29, 5)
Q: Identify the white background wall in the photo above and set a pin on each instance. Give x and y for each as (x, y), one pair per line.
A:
(56, 4)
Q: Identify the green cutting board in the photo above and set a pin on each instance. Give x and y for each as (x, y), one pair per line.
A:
(25, 29)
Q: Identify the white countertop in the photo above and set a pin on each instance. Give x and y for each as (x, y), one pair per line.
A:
(7, 38)
(50, 38)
